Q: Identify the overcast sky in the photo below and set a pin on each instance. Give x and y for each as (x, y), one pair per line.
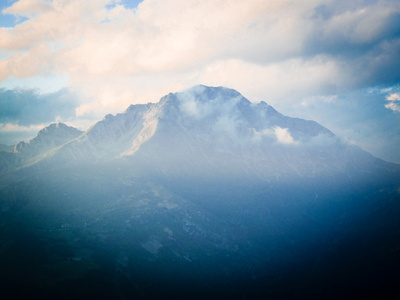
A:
(74, 61)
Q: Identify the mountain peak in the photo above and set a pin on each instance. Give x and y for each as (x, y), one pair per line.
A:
(54, 128)
(200, 102)
(209, 93)
(203, 93)
(49, 137)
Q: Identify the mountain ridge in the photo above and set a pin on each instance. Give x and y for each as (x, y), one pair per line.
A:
(47, 139)
(207, 131)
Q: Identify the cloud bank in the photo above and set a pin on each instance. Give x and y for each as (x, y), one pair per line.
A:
(267, 49)
(28, 107)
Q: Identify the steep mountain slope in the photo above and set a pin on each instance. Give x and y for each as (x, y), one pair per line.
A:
(111, 137)
(209, 131)
(47, 139)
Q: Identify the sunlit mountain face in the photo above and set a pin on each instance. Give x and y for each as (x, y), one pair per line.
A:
(201, 195)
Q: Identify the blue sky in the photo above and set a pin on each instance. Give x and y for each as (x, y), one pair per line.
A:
(8, 20)
(336, 62)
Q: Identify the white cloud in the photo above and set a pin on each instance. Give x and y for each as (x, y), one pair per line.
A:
(393, 97)
(361, 25)
(283, 136)
(27, 8)
(393, 106)
(312, 100)
(190, 107)
(275, 81)
(268, 50)
(17, 128)
(393, 102)
(193, 104)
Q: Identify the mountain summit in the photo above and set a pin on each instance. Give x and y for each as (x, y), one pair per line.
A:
(48, 138)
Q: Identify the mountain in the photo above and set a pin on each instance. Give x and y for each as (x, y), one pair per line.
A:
(47, 139)
(213, 131)
(203, 195)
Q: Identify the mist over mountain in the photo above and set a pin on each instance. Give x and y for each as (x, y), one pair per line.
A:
(201, 195)
(203, 131)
